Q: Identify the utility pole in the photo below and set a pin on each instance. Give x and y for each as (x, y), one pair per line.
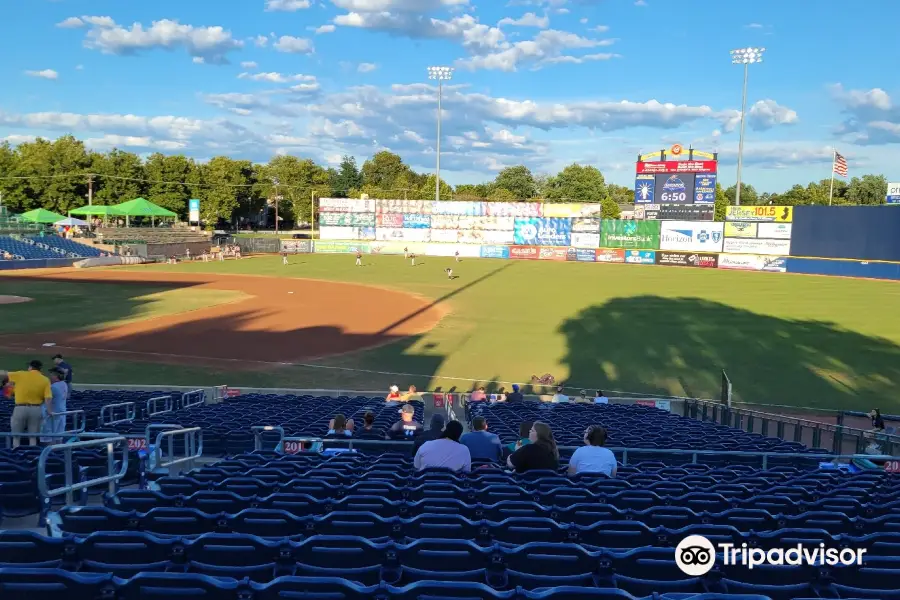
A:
(312, 215)
(90, 183)
(275, 181)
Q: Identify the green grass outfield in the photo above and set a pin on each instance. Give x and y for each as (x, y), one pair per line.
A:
(784, 339)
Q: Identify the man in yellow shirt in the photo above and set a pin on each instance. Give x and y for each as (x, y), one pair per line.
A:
(32, 389)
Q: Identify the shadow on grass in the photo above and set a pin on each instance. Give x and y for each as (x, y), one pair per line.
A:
(678, 346)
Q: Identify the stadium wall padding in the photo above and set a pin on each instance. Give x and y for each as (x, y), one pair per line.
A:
(852, 232)
(39, 263)
(844, 268)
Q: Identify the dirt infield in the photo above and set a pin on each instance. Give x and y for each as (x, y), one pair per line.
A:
(281, 321)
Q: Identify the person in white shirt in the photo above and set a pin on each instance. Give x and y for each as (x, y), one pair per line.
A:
(445, 452)
(601, 398)
(559, 396)
(593, 457)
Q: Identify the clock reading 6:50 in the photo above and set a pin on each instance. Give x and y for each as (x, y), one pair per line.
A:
(673, 196)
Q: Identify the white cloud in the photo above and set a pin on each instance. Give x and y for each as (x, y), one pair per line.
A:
(109, 141)
(527, 20)
(71, 23)
(465, 29)
(294, 45)
(754, 26)
(275, 77)
(763, 115)
(397, 5)
(324, 29)
(600, 28)
(366, 67)
(583, 20)
(872, 116)
(261, 41)
(212, 44)
(249, 64)
(44, 74)
(640, 3)
(778, 155)
(286, 5)
(547, 47)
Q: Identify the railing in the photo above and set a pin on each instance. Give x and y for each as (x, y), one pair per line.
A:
(193, 449)
(815, 434)
(193, 398)
(108, 412)
(297, 444)
(78, 427)
(71, 486)
(152, 406)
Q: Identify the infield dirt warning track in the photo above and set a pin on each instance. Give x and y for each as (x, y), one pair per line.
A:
(281, 320)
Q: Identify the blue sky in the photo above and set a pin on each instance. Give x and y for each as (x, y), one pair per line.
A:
(537, 82)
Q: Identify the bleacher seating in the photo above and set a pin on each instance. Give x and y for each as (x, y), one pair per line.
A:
(32, 247)
(68, 246)
(25, 250)
(149, 235)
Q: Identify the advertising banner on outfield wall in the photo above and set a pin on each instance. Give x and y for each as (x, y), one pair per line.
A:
(687, 259)
(447, 236)
(340, 247)
(585, 240)
(513, 209)
(469, 236)
(498, 237)
(495, 252)
(543, 231)
(552, 253)
(404, 206)
(629, 234)
(524, 252)
(488, 223)
(757, 246)
(390, 220)
(610, 255)
(445, 221)
(691, 236)
(752, 262)
(346, 205)
(586, 225)
(741, 229)
(571, 211)
(581, 255)
(297, 246)
(469, 209)
(347, 219)
(640, 257)
(778, 231)
(771, 214)
(416, 221)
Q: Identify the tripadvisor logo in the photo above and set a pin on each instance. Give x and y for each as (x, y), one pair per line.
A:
(695, 555)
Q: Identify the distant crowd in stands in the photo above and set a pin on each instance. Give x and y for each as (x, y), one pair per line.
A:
(480, 395)
(219, 253)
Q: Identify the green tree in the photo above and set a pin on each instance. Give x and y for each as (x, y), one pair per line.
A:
(347, 180)
(620, 194)
(577, 183)
(609, 209)
(386, 176)
(426, 190)
(467, 191)
(722, 203)
(12, 190)
(119, 176)
(166, 174)
(749, 197)
(868, 190)
(518, 180)
(227, 186)
(499, 194)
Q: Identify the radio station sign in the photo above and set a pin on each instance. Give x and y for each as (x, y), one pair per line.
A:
(771, 214)
(893, 193)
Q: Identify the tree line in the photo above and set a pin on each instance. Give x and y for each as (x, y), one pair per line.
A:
(59, 175)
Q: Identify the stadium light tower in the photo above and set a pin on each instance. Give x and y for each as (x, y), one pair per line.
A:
(442, 74)
(746, 57)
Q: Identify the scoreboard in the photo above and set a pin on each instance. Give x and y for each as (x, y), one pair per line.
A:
(666, 181)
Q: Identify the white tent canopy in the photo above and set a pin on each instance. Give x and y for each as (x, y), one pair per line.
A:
(71, 222)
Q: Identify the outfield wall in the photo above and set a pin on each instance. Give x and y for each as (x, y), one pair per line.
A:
(38, 263)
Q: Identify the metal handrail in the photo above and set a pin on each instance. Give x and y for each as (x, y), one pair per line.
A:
(193, 398)
(78, 416)
(258, 430)
(152, 405)
(193, 449)
(71, 486)
(107, 412)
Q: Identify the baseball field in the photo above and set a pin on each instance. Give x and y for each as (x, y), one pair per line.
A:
(322, 322)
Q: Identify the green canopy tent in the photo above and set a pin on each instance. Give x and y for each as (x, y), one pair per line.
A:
(42, 216)
(140, 207)
(96, 210)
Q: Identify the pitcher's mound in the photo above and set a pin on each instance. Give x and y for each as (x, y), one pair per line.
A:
(14, 299)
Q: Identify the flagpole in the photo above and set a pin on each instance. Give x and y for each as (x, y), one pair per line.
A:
(831, 191)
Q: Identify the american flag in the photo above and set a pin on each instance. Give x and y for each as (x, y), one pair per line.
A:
(840, 165)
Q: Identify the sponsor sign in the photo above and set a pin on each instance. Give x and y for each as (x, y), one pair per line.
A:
(775, 264)
(650, 403)
(489, 223)
(664, 405)
(347, 219)
(514, 209)
(416, 221)
(524, 252)
(571, 211)
(389, 220)
(677, 166)
(757, 246)
(644, 189)
(194, 210)
(779, 231)
(683, 212)
(629, 234)
(640, 257)
(753, 262)
(893, 193)
(771, 214)
(445, 221)
(585, 225)
(586, 240)
(346, 205)
(471, 237)
(582, 254)
(542, 231)
(404, 206)
(495, 252)
(691, 236)
(610, 255)
(550, 253)
(296, 246)
(450, 236)
(741, 229)
(705, 188)
(465, 208)
(687, 259)
(340, 247)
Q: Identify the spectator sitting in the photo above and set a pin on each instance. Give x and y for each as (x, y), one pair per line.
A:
(524, 430)
(434, 431)
(516, 395)
(445, 452)
(877, 419)
(601, 398)
(478, 395)
(339, 426)
(411, 395)
(393, 394)
(583, 398)
(560, 396)
(541, 453)
(368, 422)
(406, 427)
(593, 457)
(482, 445)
